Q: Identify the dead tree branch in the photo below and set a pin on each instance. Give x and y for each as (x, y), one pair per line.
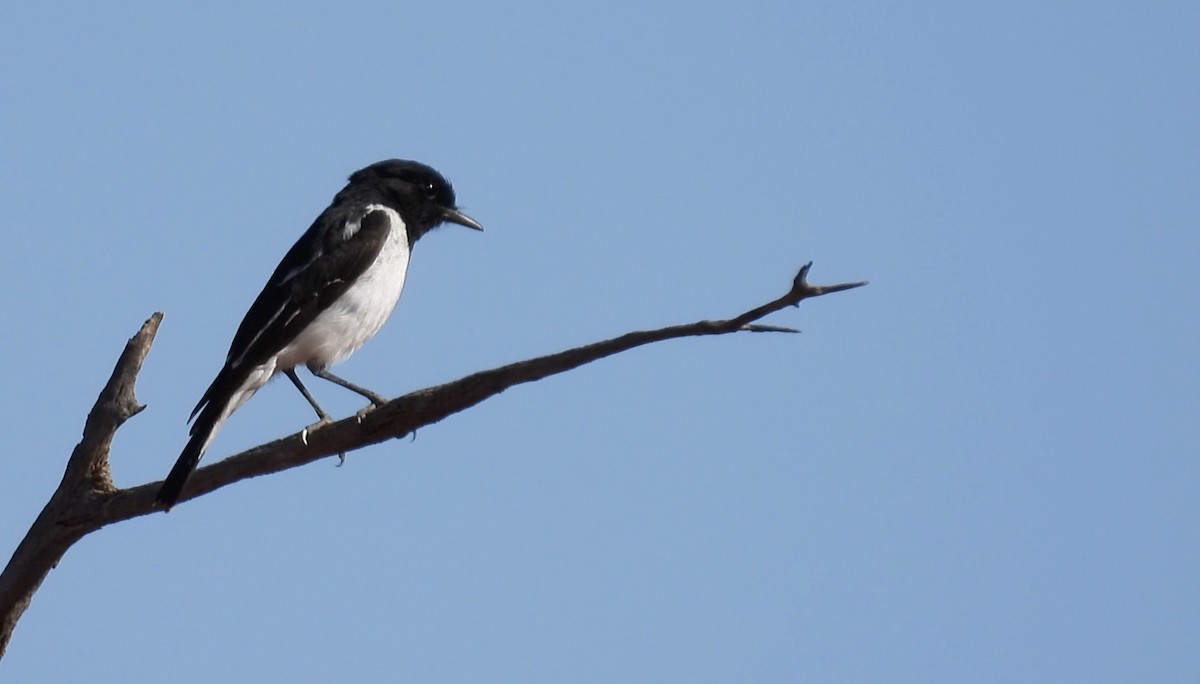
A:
(87, 499)
(86, 484)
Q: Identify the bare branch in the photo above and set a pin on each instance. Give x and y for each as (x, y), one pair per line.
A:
(68, 515)
(87, 500)
(400, 417)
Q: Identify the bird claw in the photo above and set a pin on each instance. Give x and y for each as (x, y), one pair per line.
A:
(365, 411)
(314, 427)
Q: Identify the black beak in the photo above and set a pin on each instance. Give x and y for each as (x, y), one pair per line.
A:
(456, 216)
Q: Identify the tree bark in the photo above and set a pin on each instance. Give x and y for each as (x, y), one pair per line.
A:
(87, 499)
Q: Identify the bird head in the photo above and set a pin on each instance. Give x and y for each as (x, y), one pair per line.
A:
(422, 196)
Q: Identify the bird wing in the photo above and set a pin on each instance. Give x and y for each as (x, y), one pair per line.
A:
(318, 269)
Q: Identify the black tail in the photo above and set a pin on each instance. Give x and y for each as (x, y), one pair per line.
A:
(172, 487)
(208, 422)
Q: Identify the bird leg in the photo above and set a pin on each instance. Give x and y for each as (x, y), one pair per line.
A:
(324, 417)
(291, 373)
(376, 399)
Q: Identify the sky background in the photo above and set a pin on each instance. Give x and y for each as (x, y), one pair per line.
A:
(983, 467)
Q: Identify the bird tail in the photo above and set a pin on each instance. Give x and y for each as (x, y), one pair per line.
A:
(172, 487)
(223, 397)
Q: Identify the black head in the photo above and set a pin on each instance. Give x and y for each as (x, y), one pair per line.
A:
(422, 196)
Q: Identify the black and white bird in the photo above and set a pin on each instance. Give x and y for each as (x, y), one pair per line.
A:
(331, 293)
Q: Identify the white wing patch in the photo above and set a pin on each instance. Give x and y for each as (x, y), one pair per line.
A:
(351, 227)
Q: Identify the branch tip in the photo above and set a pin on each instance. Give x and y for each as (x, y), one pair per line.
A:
(757, 327)
(802, 277)
(842, 287)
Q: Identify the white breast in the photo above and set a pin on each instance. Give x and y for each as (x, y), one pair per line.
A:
(360, 312)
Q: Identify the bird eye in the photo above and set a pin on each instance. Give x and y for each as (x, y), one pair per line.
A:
(431, 191)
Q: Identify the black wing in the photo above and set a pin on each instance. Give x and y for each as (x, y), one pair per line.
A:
(317, 270)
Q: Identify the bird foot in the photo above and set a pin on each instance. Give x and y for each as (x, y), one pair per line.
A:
(366, 410)
(326, 420)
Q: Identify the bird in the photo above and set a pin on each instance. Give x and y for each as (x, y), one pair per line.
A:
(331, 293)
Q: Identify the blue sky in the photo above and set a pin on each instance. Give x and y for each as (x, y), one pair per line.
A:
(983, 467)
